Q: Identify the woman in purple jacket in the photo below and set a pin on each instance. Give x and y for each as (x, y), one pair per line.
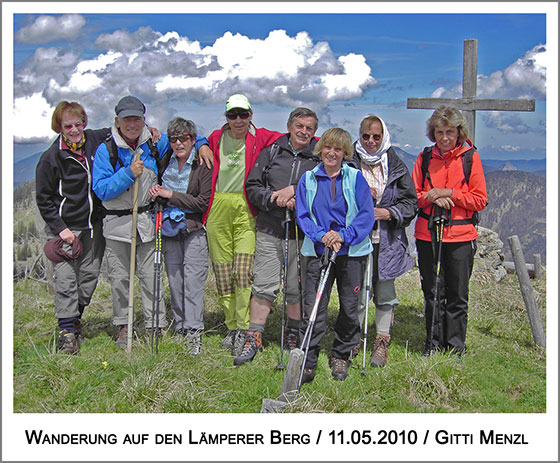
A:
(395, 206)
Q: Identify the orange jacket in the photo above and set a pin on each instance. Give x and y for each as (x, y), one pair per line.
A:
(447, 172)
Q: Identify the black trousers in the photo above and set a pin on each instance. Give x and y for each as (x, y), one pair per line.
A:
(348, 273)
(450, 321)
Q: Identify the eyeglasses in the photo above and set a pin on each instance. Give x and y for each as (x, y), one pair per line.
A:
(232, 115)
(181, 138)
(375, 136)
(78, 125)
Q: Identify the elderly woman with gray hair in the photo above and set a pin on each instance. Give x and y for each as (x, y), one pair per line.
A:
(395, 206)
(451, 189)
(187, 186)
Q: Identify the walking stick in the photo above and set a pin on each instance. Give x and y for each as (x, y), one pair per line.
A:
(157, 277)
(132, 262)
(309, 331)
(366, 313)
(281, 366)
(439, 220)
(298, 261)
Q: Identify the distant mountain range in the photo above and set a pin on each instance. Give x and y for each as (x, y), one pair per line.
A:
(517, 206)
(24, 170)
(535, 166)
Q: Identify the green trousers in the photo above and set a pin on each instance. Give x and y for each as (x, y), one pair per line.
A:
(231, 244)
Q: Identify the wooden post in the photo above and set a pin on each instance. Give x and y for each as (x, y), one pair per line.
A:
(527, 292)
(538, 266)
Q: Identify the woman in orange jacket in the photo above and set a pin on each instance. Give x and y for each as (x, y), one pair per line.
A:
(450, 193)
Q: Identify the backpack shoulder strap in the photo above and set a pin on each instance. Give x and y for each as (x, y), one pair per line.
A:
(274, 150)
(467, 164)
(426, 157)
(113, 151)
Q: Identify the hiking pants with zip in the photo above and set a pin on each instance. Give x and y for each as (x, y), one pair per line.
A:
(186, 262)
(450, 328)
(76, 280)
(231, 244)
(348, 273)
(118, 263)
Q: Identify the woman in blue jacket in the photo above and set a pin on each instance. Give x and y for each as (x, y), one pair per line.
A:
(334, 209)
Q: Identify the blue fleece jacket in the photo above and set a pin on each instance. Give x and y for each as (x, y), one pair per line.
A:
(350, 212)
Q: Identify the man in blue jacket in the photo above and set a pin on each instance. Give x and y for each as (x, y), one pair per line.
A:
(112, 182)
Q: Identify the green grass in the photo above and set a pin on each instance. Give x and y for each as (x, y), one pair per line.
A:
(502, 372)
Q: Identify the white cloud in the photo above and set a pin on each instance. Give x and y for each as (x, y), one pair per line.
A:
(32, 119)
(510, 148)
(524, 78)
(168, 71)
(51, 28)
(511, 123)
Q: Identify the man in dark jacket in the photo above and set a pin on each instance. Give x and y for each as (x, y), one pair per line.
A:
(270, 187)
(396, 205)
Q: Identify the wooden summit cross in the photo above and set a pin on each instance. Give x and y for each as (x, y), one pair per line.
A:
(469, 104)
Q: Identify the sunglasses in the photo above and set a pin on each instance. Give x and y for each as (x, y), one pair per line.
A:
(232, 115)
(181, 138)
(367, 136)
(78, 125)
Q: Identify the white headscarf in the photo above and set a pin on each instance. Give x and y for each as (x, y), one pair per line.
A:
(374, 158)
(381, 154)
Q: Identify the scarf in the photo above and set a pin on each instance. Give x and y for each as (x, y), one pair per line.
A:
(75, 146)
(374, 158)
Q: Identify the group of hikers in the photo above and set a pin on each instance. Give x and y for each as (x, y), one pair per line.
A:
(271, 211)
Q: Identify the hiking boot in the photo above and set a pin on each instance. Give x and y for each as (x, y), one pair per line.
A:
(227, 342)
(291, 336)
(67, 343)
(379, 353)
(339, 369)
(122, 337)
(308, 375)
(253, 344)
(356, 349)
(238, 343)
(194, 342)
(78, 326)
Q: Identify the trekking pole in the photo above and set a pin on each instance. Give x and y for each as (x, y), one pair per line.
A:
(157, 276)
(132, 262)
(366, 313)
(298, 260)
(439, 221)
(281, 365)
(309, 331)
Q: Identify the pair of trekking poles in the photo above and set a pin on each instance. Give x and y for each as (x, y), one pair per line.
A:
(439, 218)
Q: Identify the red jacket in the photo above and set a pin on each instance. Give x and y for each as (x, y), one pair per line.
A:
(255, 140)
(447, 172)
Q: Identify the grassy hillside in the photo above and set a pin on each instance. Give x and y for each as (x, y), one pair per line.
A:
(503, 372)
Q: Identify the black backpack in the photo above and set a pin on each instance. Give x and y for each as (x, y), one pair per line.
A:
(467, 157)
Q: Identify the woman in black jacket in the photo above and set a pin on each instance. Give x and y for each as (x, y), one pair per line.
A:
(71, 212)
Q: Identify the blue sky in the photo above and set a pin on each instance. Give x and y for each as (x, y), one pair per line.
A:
(366, 63)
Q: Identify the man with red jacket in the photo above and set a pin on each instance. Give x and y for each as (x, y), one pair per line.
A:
(445, 229)
(230, 219)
